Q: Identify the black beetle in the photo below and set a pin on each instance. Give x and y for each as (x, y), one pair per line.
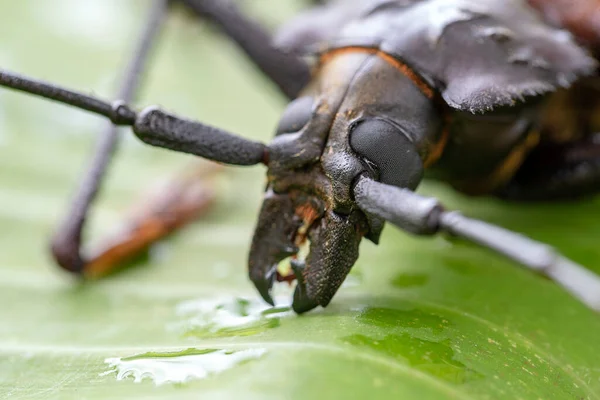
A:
(487, 95)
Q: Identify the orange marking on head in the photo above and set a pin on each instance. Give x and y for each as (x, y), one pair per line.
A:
(394, 62)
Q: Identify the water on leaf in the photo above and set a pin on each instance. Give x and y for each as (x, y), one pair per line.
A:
(414, 318)
(179, 367)
(229, 317)
(431, 357)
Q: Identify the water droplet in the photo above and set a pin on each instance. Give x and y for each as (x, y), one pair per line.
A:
(179, 367)
(229, 317)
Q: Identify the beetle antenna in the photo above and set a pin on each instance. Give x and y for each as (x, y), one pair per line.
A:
(69, 97)
(426, 216)
(152, 125)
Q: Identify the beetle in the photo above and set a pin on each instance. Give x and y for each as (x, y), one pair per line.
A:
(494, 97)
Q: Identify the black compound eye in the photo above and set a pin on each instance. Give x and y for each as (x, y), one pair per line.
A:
(296, 115)
(390, 150)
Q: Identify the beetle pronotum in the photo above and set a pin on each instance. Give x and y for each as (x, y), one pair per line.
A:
(458, 90)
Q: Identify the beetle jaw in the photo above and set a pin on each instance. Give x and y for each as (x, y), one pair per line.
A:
(334, 241)
(288, 222)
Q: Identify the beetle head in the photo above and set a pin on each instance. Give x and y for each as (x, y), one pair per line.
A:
(303, 208)
(324, 142)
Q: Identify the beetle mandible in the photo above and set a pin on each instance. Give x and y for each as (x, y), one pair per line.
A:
(493, 97)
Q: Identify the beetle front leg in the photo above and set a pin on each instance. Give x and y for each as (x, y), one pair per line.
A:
(67, 240)
(182, 200)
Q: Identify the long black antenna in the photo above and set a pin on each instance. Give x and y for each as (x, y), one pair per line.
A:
(153, 126)
(117, 112)
(426, 216)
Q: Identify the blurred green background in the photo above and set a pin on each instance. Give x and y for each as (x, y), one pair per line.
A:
(418, 318)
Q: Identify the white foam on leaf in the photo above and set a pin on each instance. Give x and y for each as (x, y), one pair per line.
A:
(179, 369)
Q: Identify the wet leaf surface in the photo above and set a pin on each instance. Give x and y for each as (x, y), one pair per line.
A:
(426, 319)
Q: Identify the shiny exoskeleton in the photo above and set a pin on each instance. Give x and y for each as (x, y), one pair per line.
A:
(479, 94)
(495, 97)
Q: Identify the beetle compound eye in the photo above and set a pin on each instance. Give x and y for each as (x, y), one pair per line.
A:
(390, 150)
(296, 115)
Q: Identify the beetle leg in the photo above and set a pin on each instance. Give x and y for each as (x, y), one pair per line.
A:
(557, 172)
(66, 242)
(425, 216)
(154, 127)
(287, 71)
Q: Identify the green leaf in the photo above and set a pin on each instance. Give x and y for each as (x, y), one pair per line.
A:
(418, 318)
